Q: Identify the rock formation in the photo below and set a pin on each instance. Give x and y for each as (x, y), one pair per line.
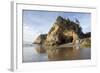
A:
(63, 31)
(85, 42)
(40, 39)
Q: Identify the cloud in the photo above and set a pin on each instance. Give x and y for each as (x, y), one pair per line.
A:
(40, 22)
(28, 34)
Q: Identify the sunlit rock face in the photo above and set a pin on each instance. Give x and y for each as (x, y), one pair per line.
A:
(85, 42)
(40, 39)
(63, 31)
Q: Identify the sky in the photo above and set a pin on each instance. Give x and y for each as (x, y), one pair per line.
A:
(40, 22)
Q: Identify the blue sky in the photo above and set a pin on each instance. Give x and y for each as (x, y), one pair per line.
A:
(40, 22)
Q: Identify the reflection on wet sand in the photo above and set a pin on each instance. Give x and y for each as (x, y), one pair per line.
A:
(64, 53)
(40, 49)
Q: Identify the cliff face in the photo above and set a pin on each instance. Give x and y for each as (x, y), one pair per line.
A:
(63, 31)
(40, 39)
(85, 42)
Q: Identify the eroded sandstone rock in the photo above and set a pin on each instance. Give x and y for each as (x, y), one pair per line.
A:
(40, 39)
(63, 31)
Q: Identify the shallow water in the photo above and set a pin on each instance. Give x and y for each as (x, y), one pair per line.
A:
(38, 54)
